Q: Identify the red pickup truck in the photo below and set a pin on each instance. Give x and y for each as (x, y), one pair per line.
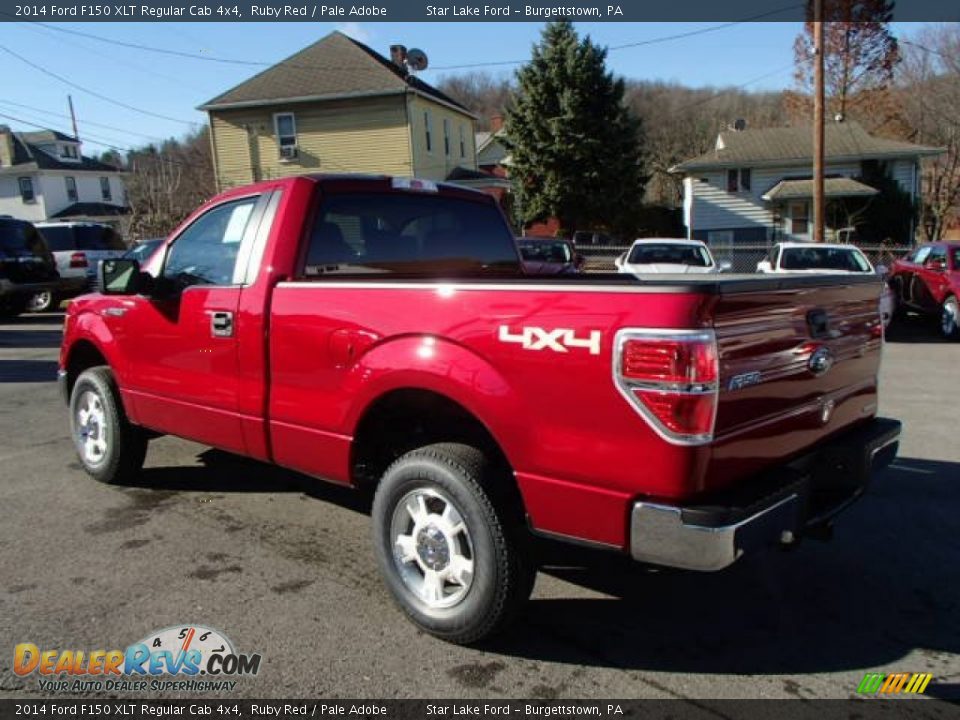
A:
(380, 333)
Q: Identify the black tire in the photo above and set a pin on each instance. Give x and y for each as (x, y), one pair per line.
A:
(43, 302)
(124, 444)
(503, 570)
(11, 307)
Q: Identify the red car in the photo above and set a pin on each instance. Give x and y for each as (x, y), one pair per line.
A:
(928, 281)
(549, 256)
(380, 333)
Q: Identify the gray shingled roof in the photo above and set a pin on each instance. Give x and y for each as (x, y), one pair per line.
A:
(832, 187)
(771, 146)
(27, 156)
(334, 67)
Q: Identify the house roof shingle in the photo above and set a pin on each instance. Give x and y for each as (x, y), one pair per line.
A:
(90, 209)
(335, 66)
(795, 144)
(26, 154)
(832, 187)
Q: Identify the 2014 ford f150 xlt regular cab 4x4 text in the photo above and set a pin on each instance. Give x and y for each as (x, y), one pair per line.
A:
(380, 333)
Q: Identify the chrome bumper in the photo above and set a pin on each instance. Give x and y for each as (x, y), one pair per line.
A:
(804, 494)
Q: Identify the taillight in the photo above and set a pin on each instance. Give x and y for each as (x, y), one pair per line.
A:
(670, 377)
(78, 260)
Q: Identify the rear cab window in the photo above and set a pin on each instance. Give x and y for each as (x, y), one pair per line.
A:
(407, 234)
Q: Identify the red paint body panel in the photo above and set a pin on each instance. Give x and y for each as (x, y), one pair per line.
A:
(308, 358)
(924, 288)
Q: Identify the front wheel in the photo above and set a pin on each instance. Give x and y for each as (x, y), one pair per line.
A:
(451, 556)
(949, 317)
(110, 448)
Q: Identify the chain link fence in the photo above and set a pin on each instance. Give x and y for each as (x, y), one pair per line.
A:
(742, 257)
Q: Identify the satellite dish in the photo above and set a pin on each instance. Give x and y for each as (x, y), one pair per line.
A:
(416, 59)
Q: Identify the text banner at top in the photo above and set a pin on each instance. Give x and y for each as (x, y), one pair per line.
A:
(440, 11)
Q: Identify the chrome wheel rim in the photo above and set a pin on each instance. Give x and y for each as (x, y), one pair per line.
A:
(432, 549)
(948, 318)
(91, 429)
(40, 301)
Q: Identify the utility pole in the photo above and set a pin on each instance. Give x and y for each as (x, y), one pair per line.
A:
(73, 117)
(818, 112)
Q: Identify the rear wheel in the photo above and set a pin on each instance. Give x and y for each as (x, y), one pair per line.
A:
(42, 301)
(455, 561)
(949, 317)
(10, 307)
(110, 448)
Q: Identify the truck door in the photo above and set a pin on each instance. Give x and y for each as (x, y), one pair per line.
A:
(183, 373)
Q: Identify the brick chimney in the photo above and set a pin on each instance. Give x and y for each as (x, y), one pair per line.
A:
(398, 56)
(6, 146)
(496, 122)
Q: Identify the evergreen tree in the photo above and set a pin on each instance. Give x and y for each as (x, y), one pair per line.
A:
(574, 144)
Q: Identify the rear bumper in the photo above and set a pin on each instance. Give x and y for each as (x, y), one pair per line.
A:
(777, 507)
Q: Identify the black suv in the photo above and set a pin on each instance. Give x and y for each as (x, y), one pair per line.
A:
(26, 266)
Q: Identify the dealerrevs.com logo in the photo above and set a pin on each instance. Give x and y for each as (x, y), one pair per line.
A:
(179, 658)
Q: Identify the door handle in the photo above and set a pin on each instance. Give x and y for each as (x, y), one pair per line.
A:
(221, 323)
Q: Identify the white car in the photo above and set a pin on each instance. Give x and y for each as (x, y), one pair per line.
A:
(668, 255)
(78, 248)
(800, 257)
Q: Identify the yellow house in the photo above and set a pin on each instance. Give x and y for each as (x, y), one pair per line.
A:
(337, 106)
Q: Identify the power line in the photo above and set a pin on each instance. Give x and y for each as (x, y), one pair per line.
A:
(497, 63)
(53, 113)
(93, 92)
(727, 91)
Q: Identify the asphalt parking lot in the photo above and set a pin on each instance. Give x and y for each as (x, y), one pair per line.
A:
(283, 566)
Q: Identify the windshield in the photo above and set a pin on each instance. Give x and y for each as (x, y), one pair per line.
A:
(548, 252)
(19, 239)
(824, 258)
(669, 254)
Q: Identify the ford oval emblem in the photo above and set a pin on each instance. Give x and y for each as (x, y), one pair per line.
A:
(820, 361)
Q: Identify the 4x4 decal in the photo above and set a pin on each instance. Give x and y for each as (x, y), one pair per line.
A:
(559, 340)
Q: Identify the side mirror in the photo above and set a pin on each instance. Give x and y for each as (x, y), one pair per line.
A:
(725, 266)
(120, 276)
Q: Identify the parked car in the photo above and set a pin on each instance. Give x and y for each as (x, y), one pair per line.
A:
(800, 257)
(380, 333)
(549, 256)
(928, 282)
(26, 266)
(78, 248)
(668, 255)
(142, 251)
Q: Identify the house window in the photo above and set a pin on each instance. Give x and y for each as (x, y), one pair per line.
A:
(26, 190)
(69, 151)
(463, 144)
(738, 180)
(428, 129)
(105, 193)
(873, 169)
(71, 189)
(285, 126)
(446, 136)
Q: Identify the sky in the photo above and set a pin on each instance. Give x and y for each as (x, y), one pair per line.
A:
(758, 54)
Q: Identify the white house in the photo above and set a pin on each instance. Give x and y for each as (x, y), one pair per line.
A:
(756, 186)
(44, 176)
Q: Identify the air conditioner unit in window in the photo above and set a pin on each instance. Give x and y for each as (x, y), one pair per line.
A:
(288, 152)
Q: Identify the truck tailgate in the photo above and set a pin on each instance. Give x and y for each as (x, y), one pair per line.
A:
(798, 363)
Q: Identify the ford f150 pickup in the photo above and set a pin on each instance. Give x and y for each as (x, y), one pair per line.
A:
(379, 332)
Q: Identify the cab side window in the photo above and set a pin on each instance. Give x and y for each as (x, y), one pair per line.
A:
(206, 252)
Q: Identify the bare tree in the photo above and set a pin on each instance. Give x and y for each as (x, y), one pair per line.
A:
(929, 101)
(860, 59)
(166, 183)
(484, 94)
